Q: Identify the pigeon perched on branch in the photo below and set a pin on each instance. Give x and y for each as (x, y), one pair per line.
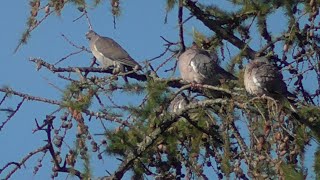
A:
(109, 53)
(193, 116)
(263, 78)
(198, 66)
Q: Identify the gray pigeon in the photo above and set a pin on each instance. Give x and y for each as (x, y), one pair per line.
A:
(263, 78)
(109, 53)
(198, 66)
(179, 102)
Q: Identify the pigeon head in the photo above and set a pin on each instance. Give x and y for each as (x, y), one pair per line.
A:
(256, 63)
(194, 46)
(262, 59)
(91, 34)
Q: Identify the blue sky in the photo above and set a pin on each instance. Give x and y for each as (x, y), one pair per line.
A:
(138, 29)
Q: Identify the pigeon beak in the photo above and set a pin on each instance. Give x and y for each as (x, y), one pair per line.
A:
(87, 35)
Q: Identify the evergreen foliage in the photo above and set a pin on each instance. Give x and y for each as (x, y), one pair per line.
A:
(223, 133)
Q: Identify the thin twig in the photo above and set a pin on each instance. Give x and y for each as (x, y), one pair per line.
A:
(180, 16)
(223, 32)
(29, 97)
(88, 19)
(31, 28)
(4, 98)
(23, 161)
(74, 45)
(69, 55)
(12, 114)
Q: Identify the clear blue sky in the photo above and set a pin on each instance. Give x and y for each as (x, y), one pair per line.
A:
(138, 29)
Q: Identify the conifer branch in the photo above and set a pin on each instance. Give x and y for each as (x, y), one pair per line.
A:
(223, 32)
(22, 162)
(151, 138)
(29, 97)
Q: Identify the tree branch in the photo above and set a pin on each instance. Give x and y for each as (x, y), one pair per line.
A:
(29, 97)
(223, 32)
(174, 83)
(57, 166)
(23, 161)
(149, 140)
(12, 114)
(180, 16)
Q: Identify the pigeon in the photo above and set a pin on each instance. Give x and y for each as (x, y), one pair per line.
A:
(179, 102)
(109, 53)
(199, 67)
(263, 78)
(194, 115)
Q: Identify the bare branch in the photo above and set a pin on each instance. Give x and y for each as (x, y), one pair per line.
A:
(12, 114)
(23, 161)
(180, 16)
(57, 166)
(29, 97)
